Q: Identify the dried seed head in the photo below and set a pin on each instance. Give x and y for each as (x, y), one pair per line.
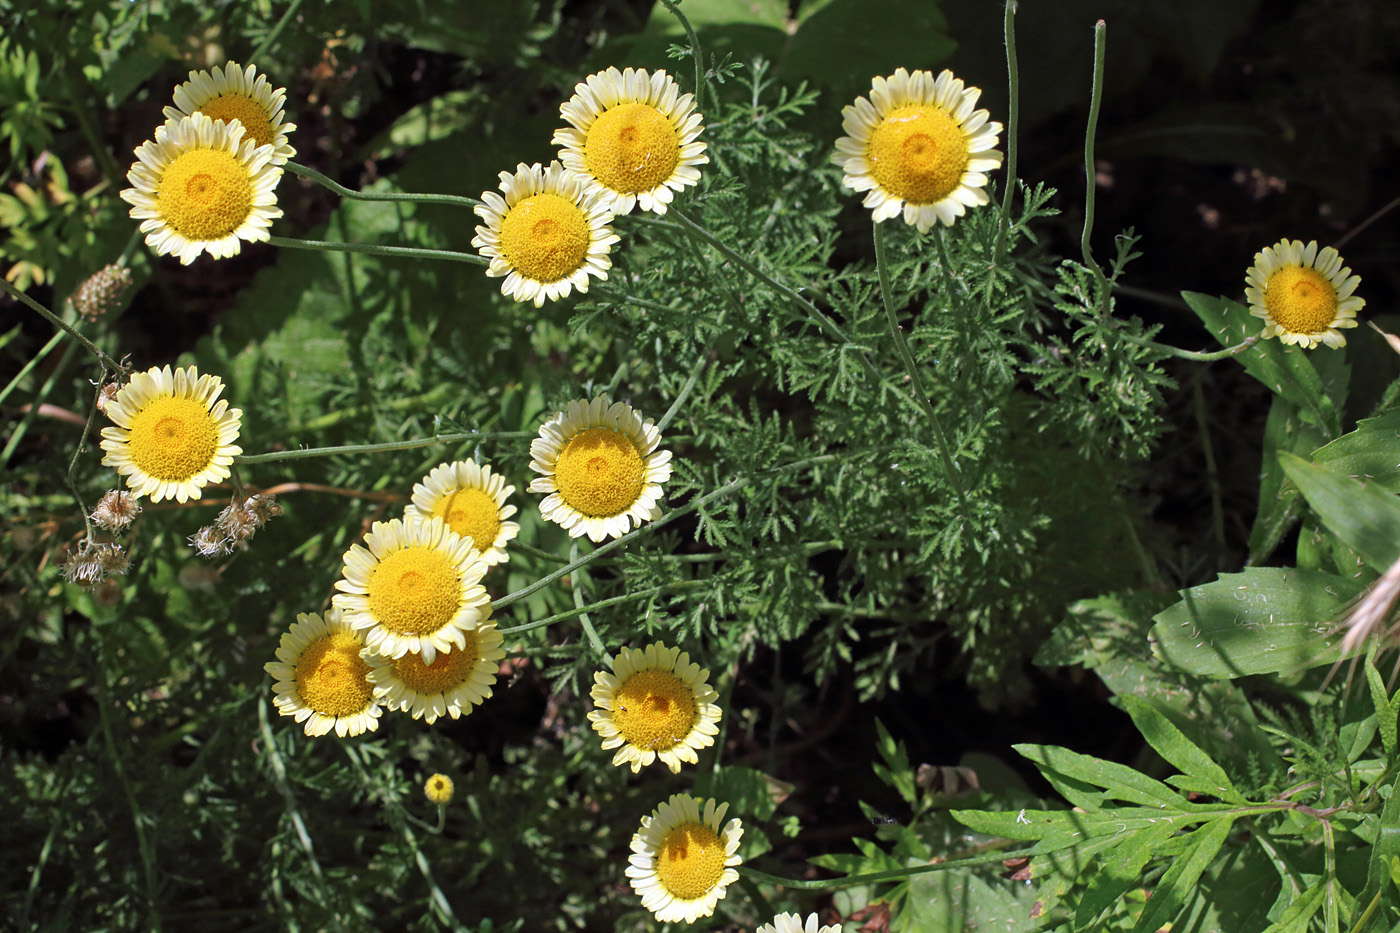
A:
(104, 398)
(116, 510)
(103, 291)
(210, 542)
(94, 561)
(243, 517)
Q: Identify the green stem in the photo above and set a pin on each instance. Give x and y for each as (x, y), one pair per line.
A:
(111, 364)
(74, 80)
(28, 367)
(896, 875)
(353, 195)
(600, 604)
(22, 428)
(73, 464)
(689, 383)
(576, 581)
(272, 36)
(377, 250)
(694, 50)
(1096, 98)
(882, 267)
(945, 267)
(1217, 510)
(1192, 354)
(1013, 116)
(307, 453)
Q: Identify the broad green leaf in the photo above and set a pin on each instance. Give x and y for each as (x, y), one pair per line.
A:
(1120, 871)
(1298, 917)
(1286, 370)
(1179, 882)
(1262, 621)
(1118, 781)
(1363, 515)
(1371, 452)
(1175, 747)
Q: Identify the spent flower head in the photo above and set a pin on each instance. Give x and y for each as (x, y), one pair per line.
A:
(117, 509)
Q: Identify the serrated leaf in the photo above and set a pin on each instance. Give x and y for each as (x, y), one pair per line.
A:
(1262, 621)
(1365, 516)
(1180, 880)
(1386, 707)
(1118, 781)
(1371, 452)
(1298, 917)
(1173, 745)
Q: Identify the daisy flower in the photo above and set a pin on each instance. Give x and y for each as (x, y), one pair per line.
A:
(792, 923)
(601, 468)
(414, 587)
(917, 145)
(633, 134)
(682, 861)
(235, 93)
(202, 186)
(173, 433)
(321, 678)
(471, 500)
(547, 235)
(438, 790)
(1304, 295)
(655, 704)
(450, 685)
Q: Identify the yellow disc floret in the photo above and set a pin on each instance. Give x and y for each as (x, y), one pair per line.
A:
(654, 709)
(472, 513)
(173, 439)
(446, 671)
(631, 148)
(331, 677)
(545, 237)
(414, 591)
(1301, 300)
(254, 117)
(205, 194)
(918, 153)
(691, 861)
(438, 789)
(600, 472)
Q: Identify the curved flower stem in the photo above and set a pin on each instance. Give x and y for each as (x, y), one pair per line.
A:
(524, 548)
(73, 464)
(896, 875)
(1192, 354)
(377, 250)
(63, 325)
(1090, 184)
(588, 629)
(272, 36)
(689, 383)
(882, 267)
(823, 322)
(307, 453)
(694, 50)
(1013, 113)
(30, 366)
(601, 604)
(353, 195)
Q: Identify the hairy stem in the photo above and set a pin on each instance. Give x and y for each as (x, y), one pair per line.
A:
(374, 249)
(353, 195)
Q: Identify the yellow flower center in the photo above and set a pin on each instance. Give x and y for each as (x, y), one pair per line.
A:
(545, 237)
(472, 513)
(257, 122)
(918, 153)
(631, 148)
(600, 472)
(414, 591)
(173, 439)
(439, 788)
(205, 194)
(447, 670)
(691, 861)
(332, 678)
(654, 710)
(1301, 300)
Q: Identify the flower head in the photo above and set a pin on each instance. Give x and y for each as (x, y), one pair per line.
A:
(682, 861)
(1304, 295)
(173, 433)
(917, 145)
(321, 679)
(235, 93)
(450, 685)
(438, 790)
(547, 235)
(792, 923)
(600, 467)
(414, 587)
(634, 135)
(201, 186)
(471, 500)
(102, 292)
(655, 704)
(95, 561)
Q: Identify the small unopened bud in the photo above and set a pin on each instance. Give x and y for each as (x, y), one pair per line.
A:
(103, 291)
(209, 541)
(104, 398)
(116, 510)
